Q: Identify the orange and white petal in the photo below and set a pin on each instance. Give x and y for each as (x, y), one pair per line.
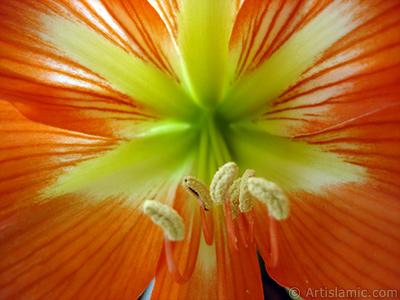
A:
(33, 155)
(262, 27)
(358, 74)
(168, 11)
(70, 246)
(49, 84)
(346, 235)
(302, 60)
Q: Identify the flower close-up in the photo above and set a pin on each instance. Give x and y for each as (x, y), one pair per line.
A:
(185, 141)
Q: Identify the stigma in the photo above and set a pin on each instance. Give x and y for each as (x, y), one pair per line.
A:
(236, 197)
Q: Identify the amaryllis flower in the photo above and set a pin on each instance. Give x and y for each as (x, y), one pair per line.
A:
(118, 113)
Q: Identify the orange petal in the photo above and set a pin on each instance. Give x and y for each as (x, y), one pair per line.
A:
(358, 74)
(67, 247)
(66, 250)
(49, 87)
(347, 236)
(33, 155)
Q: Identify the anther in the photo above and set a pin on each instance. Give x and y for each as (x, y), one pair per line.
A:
(221, 182)
(167, 218)
(245, 196)
(198, 189)
(234, 193)
(270, 194)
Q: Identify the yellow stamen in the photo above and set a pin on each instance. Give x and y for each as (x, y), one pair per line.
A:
(234, 192)
(270, 194)
(245, 196)
(221, 182)
(198, 189)
(167, 218)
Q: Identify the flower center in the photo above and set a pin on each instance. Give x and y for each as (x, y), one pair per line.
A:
(212, 147)
(236, 197)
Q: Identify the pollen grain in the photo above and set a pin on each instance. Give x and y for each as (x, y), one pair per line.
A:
(234, 193)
